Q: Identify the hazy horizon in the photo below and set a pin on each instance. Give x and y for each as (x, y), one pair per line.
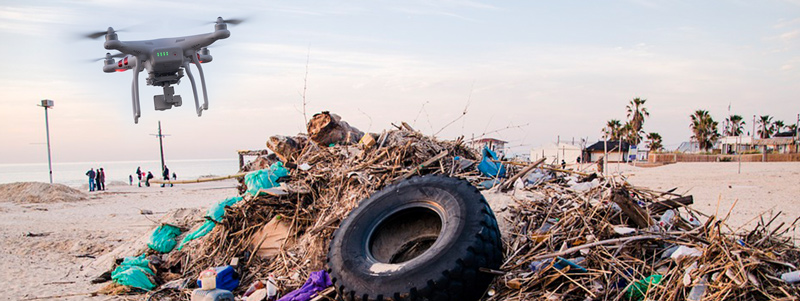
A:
(540, 69)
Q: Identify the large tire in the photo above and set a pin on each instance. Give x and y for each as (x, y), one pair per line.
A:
(422, 239)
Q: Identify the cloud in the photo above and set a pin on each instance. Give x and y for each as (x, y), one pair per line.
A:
(33, 20)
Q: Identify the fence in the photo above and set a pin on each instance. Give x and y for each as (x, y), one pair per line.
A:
(676, 157)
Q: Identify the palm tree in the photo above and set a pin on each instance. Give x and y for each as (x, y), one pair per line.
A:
(792, 128)
(704, 129)
(778, 126)
(630, 135)
(654, 142)
(735, 125)
(636, 115)
(766, 127)
(612, 130)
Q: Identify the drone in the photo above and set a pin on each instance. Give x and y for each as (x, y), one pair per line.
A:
(165, 60)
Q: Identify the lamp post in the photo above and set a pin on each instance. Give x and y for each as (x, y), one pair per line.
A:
(47, 103)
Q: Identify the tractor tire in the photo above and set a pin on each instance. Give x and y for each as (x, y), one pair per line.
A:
(421, 239)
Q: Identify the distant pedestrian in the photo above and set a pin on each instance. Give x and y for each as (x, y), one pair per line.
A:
(91, 175)
(139, 175)
(174, 176)
(147, 179)
(102, 179)
(563, 164)
(97, 180)
(130, 180)
(165, 175)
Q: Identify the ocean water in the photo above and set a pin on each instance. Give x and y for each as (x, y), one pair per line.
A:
(73, 174)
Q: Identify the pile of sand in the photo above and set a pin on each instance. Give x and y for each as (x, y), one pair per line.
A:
(35, 192)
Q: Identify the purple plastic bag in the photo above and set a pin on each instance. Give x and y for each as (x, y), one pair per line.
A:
(317, 281)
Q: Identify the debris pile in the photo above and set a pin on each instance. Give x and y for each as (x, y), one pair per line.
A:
(568, 236)
(615, 241)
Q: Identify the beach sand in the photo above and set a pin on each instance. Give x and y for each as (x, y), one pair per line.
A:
(81, 237)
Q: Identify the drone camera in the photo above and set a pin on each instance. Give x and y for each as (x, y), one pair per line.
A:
(167, 100)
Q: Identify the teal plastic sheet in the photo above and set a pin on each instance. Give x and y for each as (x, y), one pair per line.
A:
(215, 213)
(135, 272)
(163, 238)
(489, 168)
(638, 289)
(264, 178)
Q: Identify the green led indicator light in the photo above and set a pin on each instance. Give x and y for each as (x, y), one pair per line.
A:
(162, 53)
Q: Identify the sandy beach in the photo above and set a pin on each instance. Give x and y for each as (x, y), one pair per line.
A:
(54, 248)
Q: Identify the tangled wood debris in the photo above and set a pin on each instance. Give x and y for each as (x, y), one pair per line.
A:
(570, 235)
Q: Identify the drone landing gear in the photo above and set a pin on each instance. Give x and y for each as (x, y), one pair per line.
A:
(167, 100)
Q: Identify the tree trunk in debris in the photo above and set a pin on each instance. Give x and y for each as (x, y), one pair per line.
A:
(630, 208)
(326, 129)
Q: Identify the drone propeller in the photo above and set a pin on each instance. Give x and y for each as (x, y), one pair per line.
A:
(235, 21)
(108, 56)
(98, 34)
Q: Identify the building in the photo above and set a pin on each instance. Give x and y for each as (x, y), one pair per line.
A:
(495, 145)
(554, 153)
(617, 151)
(735, 144)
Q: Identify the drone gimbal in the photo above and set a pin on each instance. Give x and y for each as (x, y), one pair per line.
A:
(165, 61)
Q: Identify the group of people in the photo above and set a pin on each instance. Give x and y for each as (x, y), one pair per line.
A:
(149, 175)
(97, 179)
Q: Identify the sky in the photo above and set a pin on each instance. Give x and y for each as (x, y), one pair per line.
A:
(527, 72)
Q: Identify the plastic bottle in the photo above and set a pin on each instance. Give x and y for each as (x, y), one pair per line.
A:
(698, 291)
(208, 279)
(666, 219)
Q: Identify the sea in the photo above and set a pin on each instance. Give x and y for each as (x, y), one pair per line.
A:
(73, 174)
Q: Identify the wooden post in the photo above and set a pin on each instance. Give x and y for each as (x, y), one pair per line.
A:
(630, 208)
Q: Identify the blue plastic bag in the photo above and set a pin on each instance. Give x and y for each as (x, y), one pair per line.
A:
(489, 168)
(264, 178)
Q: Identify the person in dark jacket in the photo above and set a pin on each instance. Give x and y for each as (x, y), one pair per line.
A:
(147, 179)
(102, 178)
(91, 175)
(139, 175)
(97, 180)
(165, 175)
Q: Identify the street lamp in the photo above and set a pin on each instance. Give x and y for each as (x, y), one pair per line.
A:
(47, 103)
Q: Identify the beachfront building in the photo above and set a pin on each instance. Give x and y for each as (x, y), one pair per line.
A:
(617, 151)
(555, 152)
(735, 144)
(496, 145)
(777, 145)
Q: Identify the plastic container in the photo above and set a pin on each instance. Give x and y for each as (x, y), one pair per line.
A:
(791, 277)
(666, 219)
(226, 278)
(212, 295)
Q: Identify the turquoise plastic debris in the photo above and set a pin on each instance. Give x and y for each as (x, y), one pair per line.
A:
(163, 238)
(489, 168)
(638, 289)
(215, 213)
(265, 178)
(135, 272)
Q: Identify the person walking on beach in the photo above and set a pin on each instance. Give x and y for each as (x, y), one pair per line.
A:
(130, 180)
(139, 175)
(147, 179)
(90, 173)
(102, 179)
(174, 176)
(165, 175)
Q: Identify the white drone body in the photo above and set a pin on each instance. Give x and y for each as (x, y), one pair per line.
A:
(165, 61)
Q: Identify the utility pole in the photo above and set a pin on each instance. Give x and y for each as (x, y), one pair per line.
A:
(47, 103)
(160, 145)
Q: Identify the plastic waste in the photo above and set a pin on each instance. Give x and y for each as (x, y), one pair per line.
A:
(489, 168)
(215, 213)
(317, 281)
(666, 219)
(135, 272)
(638, 289)
(224, 277)
(684, 251)
(624, 230)
(698, 291)
(163, 238)
(212, 295)
(265, 178)
(259, 284)
(791, 277)
(272, 288)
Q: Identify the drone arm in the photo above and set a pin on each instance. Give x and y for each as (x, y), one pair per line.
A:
(194, 88)
(202, 81)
